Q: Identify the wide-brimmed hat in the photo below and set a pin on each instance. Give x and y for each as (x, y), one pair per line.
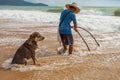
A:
(73, 5)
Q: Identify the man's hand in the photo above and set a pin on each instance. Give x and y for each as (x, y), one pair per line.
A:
(75, 28)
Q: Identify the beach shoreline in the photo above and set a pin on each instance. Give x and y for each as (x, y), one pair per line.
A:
(99, 64)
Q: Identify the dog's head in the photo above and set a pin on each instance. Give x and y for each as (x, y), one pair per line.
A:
(36, 37)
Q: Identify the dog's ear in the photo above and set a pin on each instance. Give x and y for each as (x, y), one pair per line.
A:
(33, 35)
(31, 38)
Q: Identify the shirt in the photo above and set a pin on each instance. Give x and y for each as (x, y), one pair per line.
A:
(65, 27)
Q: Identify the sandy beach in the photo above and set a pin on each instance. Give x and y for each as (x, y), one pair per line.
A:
(100, 64)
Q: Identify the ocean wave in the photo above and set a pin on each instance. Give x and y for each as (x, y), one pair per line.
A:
(92, 12)
(88, 19)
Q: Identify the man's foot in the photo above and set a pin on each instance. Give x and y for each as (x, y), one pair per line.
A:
(70, 54)
(61, 51)
(64, 50)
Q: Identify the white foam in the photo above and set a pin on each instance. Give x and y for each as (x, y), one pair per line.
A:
(114, 58)
(55, 65)
(98, 22)
(7, 64)
(92, 12)
(14, 41)
(76, 52)
(23, 68)
(32, 16)
(93, 21)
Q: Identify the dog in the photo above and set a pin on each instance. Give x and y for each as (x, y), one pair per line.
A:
(27, 50)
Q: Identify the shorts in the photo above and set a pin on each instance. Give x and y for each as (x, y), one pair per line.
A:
(67, 39)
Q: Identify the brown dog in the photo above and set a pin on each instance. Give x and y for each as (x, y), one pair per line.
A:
(27, 50)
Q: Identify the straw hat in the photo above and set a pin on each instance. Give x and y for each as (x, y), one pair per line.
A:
(73, 5)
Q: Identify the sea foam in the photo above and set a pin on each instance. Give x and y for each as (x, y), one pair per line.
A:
(94, 20)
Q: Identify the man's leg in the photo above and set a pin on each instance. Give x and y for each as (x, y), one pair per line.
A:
(70, 49)
(64, 47)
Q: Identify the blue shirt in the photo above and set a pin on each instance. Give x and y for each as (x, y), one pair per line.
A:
(65, 27)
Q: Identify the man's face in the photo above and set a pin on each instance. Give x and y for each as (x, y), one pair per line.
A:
(73, 8)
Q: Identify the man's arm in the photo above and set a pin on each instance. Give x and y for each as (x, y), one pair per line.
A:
(75, 27)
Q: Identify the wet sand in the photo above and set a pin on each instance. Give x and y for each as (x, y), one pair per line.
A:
(100, 64)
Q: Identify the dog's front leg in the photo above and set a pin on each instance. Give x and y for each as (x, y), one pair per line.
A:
(34, 60)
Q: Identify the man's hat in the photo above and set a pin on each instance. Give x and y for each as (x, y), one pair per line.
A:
(73, 5)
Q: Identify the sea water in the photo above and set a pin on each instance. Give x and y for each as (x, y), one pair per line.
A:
(100, 19)
(95, 18)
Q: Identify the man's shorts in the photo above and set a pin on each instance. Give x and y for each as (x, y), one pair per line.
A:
(67, 39)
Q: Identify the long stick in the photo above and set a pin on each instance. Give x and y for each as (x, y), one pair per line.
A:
(58, 38)
(84, 40)
(91, 36)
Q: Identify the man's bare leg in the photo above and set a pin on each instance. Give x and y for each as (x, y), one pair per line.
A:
(64, 47)
(70, 49)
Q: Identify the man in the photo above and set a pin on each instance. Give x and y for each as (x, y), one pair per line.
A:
(67, 16)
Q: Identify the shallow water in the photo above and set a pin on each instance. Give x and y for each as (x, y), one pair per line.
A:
(102, 63)
(14, 36)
